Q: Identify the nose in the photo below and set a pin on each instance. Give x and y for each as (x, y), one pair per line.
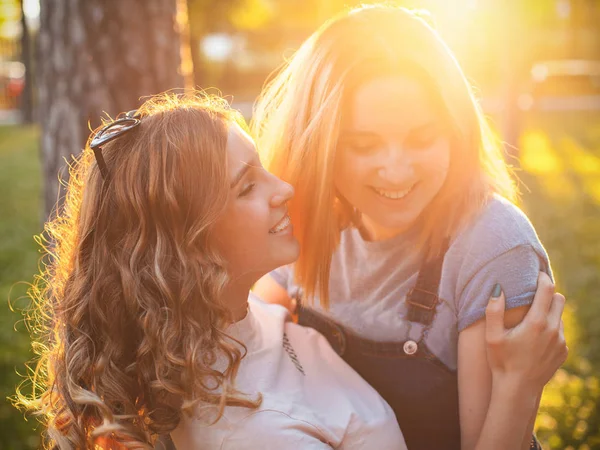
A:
(395, 167)
(283, 193)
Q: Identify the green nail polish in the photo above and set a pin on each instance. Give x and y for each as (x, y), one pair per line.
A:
(496, 291)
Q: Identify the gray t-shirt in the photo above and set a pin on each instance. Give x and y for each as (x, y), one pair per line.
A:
(370, 280)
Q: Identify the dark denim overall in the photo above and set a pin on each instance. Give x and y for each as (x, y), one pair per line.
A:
(421, 390)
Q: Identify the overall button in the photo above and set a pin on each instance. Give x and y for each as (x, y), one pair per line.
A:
(410, 347)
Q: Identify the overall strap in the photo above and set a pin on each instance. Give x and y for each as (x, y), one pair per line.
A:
(423, 298)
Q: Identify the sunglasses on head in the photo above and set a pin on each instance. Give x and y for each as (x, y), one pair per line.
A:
(110, 132)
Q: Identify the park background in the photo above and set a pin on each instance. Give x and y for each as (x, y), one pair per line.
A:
(535, 63)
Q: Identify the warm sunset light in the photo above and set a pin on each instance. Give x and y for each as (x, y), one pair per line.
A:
(414, 185)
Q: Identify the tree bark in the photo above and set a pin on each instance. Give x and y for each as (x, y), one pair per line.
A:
(96, 57)
(27, 94)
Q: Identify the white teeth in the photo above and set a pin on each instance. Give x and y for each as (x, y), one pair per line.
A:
(393, 194)
(282, 225)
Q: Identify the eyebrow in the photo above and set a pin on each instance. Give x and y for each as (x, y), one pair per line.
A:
(247, 165)
(238, 176)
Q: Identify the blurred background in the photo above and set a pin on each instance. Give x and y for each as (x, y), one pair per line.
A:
(535, 63)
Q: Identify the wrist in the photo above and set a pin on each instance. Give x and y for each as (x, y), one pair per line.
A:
(508, 423)
(519, 389)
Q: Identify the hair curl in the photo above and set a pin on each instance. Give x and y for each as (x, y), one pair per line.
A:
(126, 316)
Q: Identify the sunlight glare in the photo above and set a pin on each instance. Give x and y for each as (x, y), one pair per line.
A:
(31, 9)
(537, 155)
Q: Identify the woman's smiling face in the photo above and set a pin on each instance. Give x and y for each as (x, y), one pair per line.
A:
(393, 154)
(254, 234)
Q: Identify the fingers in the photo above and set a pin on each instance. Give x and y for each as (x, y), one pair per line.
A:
(556, 310)
(494, 316)
(559, 352)
(556, 331)
(565, 348)
(537, 315)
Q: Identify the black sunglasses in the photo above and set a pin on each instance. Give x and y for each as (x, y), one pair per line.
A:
(110, 132)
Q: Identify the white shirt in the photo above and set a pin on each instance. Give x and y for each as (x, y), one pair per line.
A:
(311, 398)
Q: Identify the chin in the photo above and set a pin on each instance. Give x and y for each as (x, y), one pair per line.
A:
(277, 257)
(293, 253)
(289, 253)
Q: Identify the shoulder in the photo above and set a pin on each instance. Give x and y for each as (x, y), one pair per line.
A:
(498, 228)
(310, 343)
(268, 321)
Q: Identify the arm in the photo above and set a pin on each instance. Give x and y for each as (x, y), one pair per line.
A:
(479, 403)
(498, 403)
(507, 424)
(272, 292)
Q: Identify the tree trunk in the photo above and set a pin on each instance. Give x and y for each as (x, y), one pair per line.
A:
(96, 57)
(27, 94)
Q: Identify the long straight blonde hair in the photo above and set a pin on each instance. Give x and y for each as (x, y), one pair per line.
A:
(297, 123)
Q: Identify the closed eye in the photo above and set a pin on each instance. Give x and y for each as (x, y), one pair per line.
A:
(248, 188)
(422, 142)
(360, 143)
(424, 138)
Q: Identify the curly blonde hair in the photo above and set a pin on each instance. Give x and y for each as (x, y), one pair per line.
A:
(126, 316)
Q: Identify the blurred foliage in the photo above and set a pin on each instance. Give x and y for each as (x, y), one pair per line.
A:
(20, 220)
(560, 161)
(10, 17)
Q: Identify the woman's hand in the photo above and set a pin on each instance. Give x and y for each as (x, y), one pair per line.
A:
(529, 354)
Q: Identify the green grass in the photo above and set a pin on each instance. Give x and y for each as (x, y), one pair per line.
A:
(560, 168)
(20, 220)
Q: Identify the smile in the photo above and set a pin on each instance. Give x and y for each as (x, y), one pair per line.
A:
(394, 195)
(281, 225)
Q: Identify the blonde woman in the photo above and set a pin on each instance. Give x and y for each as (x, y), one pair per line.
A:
(144, 312)
(404, 214)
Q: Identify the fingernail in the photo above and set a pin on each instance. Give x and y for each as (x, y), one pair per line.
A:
(496, 291)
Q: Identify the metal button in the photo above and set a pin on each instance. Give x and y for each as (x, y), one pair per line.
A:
(410, 347)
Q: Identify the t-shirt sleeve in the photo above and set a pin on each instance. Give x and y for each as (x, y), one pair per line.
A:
(517, 272)
(501, 247)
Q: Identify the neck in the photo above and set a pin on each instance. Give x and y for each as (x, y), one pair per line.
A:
(235, 299)
(374, 232)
